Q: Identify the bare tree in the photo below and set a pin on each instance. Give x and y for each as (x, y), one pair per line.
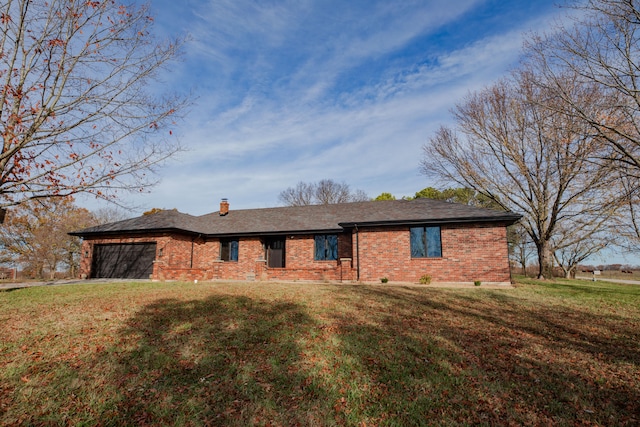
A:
(521, 248)
(323, 192)
(570, 252)
(109, 214)
(75, 108)
(601, 48)
(329, 192)
(628, 221)
(359, 196)
(512, 146)
(302, 195)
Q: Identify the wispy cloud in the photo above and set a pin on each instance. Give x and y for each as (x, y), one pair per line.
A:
(303, 90)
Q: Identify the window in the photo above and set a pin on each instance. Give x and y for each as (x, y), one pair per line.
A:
(326, 247)
(229, 250)
(425, 242)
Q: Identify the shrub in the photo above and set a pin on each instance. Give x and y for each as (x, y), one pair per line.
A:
(425, 279)
(384, 280)
(477, 282)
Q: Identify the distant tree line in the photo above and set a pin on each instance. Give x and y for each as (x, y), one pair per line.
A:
(323, 192)
(462, 195)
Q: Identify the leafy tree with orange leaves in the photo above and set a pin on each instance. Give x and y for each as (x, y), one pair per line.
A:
(35, 235)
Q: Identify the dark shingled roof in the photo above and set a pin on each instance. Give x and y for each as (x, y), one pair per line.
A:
(304, 219)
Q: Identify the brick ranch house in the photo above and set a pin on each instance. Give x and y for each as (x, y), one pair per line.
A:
(401, 240)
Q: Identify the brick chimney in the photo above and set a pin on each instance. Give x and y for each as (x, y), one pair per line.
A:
(224, 207)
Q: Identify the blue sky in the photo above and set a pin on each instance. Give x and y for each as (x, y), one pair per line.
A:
(303, 90)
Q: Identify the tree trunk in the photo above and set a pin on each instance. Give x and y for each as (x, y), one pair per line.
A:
(545, 260)
(72, 264)
(522, 259)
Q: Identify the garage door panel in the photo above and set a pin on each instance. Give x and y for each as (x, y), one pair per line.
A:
(123, 261)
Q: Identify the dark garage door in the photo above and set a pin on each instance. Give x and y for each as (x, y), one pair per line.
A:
(123, 261)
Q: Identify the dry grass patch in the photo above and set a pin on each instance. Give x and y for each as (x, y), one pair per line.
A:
(563, 353)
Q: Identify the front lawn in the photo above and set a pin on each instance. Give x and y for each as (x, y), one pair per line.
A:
(560, 353)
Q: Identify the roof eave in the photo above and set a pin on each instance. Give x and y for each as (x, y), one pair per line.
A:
(277, 233)
(200, 234)
(112, 233)
(507, 219)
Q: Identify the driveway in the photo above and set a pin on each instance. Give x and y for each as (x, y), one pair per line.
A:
(603, 279)
(19, 285)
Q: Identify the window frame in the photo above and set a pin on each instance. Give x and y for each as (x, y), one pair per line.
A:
(227, 254)
(430, 242)
(329, 249)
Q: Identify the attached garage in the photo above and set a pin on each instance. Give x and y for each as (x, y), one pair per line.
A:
(123, 260)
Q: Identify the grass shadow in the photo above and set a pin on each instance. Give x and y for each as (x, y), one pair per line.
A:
(17, 288)
(224, 360)
(495, 359)
(587, 287)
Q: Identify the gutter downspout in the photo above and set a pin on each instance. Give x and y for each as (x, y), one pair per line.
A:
(191, 260)
(509, 246)
(357, 254)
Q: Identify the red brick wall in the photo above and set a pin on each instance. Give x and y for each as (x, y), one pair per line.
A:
(181, 257)
(469, 252)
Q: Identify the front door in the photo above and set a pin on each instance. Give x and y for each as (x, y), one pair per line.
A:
(275, 252)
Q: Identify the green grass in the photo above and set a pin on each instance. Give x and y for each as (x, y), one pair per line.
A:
(555, 352)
